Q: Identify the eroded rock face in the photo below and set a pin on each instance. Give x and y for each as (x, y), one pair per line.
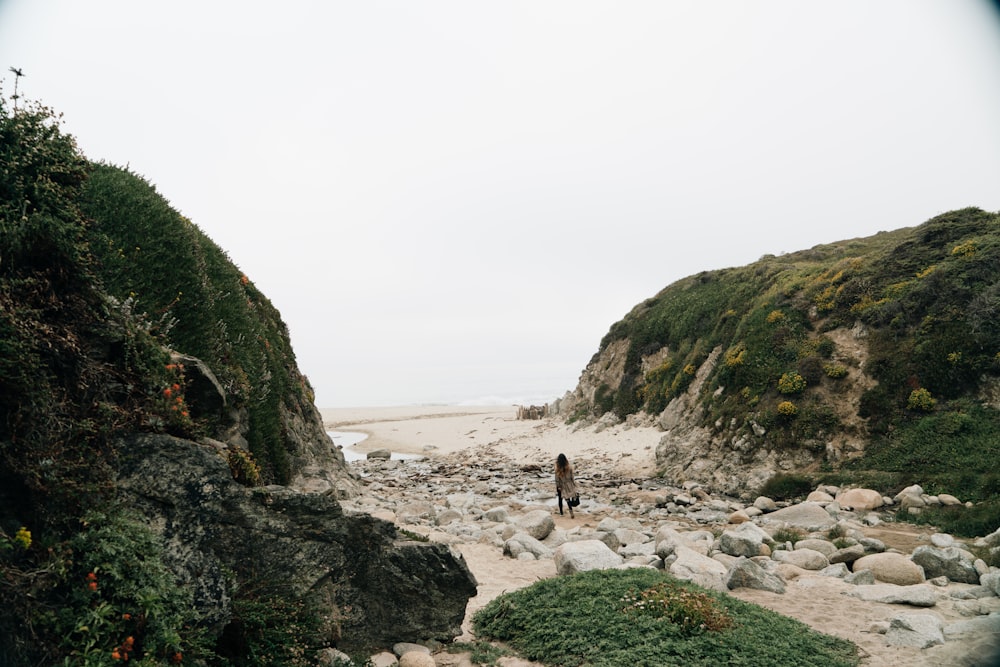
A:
(375, 587)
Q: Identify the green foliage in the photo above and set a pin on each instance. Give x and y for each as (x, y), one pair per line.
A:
(245, 470)
(104, 592)
(271, 631)
(927, 299)
(835, 371)
(174, 274)
(981, 519)
(791, 383)
(692, 611)
(783, 535)
(787, 409)
(784, 486)
(920, 399)
(592, 618)
(480, 652)
(99, 278)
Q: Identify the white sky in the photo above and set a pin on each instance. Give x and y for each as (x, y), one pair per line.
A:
(455, 200)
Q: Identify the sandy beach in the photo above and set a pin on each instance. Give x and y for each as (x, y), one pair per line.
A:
(448, 429)
(626, 453)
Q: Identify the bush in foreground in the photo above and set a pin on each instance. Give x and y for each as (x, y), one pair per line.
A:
(589, 619)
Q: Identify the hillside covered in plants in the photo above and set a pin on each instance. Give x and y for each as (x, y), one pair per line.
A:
(871, 359)
(152, 423)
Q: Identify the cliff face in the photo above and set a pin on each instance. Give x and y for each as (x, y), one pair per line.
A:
(843, 357)
(160, 267)
(372, 586)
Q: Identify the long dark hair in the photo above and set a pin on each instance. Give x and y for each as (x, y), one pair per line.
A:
(562, 464)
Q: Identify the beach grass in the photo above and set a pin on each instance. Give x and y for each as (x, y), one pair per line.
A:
(641, 617)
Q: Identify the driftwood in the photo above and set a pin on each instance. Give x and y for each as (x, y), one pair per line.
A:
(532, 411)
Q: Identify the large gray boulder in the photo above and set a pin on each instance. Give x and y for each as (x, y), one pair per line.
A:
(919, 595)
(915, 630)
(807, 559)
(956, 564)
(891, 568)
(808, 516)
(537, 523)
(860, 500)
(745, 573)
(744, 540)
(521, 542)
(696, 568)
(376, 586)
(573, 557)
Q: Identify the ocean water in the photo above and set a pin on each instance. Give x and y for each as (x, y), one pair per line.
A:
(347, 440)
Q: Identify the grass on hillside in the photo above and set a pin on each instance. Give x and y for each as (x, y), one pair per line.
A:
(642, 617)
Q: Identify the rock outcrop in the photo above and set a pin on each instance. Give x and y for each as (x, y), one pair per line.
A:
(373, 585)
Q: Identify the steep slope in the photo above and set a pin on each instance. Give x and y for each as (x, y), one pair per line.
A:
(161, 267)
(149, 406)
(848, 356)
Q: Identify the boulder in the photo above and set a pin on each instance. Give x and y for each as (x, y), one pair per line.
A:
(860, 500)
(956, 564)
(819, 497)
(765, 504)
(860, 578)
(825, 547)
(915, 630)
(919, 595)
(745, 573)
(744, 540)
(891, 568)
(520, 543)
(584, 555)
(497, 514)
(807, 559)
(847, 554)
(537, 523)
(808, 516)
(991, 581)
(416, 659)
(696, 568)
(214, 529)
(666, 540)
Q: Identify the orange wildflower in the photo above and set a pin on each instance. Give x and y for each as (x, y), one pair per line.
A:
(92, 585)
(167, 392)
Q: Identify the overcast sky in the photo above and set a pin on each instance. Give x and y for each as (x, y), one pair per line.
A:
(451, 201)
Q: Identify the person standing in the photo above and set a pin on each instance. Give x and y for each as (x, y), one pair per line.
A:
(566, 485)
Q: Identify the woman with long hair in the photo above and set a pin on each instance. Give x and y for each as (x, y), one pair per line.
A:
(566, 485)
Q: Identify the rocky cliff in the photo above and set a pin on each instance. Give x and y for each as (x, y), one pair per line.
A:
(870, 354)
(372, 585)
(167, 489)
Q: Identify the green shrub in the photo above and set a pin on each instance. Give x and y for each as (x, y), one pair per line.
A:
(692, 611)
(790, 534)
(791, 383)
(597, 618)
(920, 399)
(787, 409)
(835, 371)
(784, 486)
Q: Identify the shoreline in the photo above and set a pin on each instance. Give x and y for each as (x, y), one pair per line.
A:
(627, 451)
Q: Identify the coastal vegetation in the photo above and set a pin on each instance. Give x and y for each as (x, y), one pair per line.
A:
(643, 617)
(921, 304)
(101, 282)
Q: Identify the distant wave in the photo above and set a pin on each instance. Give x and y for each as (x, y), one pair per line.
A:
(530, 399)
